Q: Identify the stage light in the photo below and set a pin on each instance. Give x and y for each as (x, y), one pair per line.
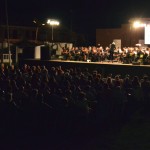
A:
(137, 24)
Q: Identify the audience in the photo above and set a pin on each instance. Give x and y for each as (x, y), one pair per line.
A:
(41, 98)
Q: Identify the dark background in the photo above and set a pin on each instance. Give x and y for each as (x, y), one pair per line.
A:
(81, 16)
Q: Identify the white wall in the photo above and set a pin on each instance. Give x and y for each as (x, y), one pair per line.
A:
(37, 52)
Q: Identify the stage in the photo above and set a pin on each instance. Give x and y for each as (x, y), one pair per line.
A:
(103, 67)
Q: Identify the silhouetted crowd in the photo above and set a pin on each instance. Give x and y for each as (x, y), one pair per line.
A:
(45, 100)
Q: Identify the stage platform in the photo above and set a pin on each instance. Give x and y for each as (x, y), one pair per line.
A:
(103, 67)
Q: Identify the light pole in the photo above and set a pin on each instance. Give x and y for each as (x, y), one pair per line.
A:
(37, 29)
(8, 38)
(53, 23)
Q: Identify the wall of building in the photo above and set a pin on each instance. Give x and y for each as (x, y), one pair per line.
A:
(129, 36)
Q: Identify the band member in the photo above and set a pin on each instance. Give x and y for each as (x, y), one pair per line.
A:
(140, 54)
(83, 53)
(100, 54)
(146, 56)
(111, 51)
(65, 53)
(77, 54)
(94, 54)
(72, 53)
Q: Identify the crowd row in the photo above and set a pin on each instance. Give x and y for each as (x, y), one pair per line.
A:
(66, 97)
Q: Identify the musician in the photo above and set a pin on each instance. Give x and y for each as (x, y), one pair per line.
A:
(77, 54)
(72, 53)
(140, 54)
(134, 54)
(84, 53)
(146, 56)
(106, 53)
(65, 53)
(111, 51)
(128, 55)
(100, 53)
(120, 54)
(94, 54)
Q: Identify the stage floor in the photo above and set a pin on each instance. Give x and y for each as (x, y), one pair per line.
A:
(104, 62)
(103, 67)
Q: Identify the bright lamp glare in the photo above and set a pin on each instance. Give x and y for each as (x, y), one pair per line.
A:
(53, 22)
(136, 24)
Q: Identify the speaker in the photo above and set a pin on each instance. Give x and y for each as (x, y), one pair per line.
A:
(28, 53)
(45, 53)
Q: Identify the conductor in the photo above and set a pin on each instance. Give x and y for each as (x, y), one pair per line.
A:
(111, 52)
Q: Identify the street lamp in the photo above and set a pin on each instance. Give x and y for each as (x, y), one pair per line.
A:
(38, 24)
(53, 23)
(136, 25)
(8, 38)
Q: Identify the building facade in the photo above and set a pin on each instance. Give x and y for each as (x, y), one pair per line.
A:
(22, 39)
(127, 34)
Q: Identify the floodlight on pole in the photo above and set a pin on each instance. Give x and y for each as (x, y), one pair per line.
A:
(138, 24)
(8, 38)
(37, 29)
(142, 23)
(53, 23)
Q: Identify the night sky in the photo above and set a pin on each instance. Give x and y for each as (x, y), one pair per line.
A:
(82, 16)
